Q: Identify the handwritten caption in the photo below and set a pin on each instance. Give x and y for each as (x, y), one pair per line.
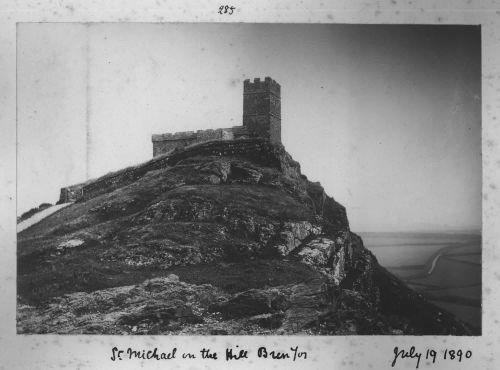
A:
(430, 356)
(231, 354)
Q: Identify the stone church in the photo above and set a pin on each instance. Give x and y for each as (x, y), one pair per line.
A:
(261, 118)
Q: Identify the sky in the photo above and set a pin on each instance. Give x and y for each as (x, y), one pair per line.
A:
(387, 118)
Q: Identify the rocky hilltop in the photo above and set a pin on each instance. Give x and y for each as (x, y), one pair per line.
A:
(221, 238)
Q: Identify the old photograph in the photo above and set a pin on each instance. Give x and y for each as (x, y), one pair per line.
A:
(248, 179)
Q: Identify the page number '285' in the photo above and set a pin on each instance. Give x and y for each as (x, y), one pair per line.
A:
(226, 9)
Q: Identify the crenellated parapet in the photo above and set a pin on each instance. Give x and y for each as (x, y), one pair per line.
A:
(258, 87)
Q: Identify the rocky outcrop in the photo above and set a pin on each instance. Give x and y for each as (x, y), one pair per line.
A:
(217, 238)
(255, 149)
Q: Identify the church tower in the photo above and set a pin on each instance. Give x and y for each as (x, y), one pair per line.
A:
(262, 109)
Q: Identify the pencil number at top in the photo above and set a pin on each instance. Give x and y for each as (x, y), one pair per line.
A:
(226, 9)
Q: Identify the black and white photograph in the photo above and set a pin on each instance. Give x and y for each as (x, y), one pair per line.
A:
(249, 179)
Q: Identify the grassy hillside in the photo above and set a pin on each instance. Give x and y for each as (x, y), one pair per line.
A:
(227, 244)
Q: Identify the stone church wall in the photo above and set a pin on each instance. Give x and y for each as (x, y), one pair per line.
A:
(165, 143)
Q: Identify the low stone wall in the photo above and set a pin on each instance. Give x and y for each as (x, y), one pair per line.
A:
(258, 149)
(163, 147)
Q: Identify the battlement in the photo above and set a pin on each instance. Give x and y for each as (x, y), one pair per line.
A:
(257, 86)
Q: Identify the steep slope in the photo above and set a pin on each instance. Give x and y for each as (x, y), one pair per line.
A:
(224, 238)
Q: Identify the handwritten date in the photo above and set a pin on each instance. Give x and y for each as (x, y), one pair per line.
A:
(430, 355)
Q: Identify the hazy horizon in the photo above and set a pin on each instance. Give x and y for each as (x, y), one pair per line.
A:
(387, 118)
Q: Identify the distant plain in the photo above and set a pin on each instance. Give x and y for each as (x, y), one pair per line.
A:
(444, 267)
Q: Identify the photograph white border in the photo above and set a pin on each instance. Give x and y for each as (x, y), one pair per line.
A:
(356, 352)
